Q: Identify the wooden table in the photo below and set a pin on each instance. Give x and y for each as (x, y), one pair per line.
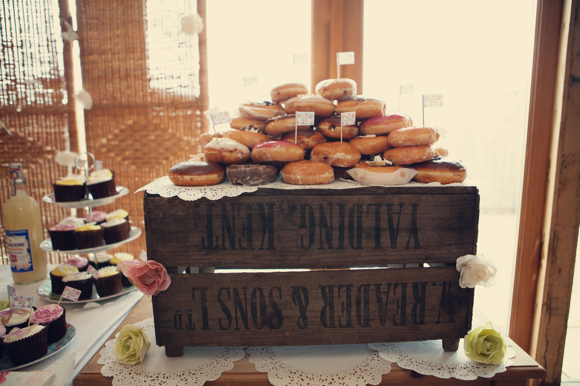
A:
(244, 372)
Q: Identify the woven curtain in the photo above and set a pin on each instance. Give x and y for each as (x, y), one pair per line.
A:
(34, 103)
(143, 73)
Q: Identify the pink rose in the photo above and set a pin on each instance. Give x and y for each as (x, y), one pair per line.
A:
(149, 276)
(3, 376)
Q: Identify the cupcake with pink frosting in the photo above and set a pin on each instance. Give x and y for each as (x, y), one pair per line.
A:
(53, 317)
(79, 262)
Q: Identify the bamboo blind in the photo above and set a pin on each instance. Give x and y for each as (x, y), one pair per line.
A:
(147, 112)
(34, 103)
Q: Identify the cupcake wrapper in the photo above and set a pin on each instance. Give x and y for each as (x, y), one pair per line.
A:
(109, 285)
(117, 233)
(63, 240)
(98, 266)
(65, 193)
(103, 189)
(57, 284)
(28, 349)
(56, 328)
(89, 239)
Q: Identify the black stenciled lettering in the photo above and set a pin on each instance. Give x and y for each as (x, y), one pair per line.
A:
(178, 320)
(327, 311)
(362, 301)
(341, 225)
(189, 325)
(346, 305)
(310, 224)
(258, 308)
(446, 303)
(267, 221)
(355, 226)
(382, 306)
(228, 227)
(300, 298)
(377, 224)
(224, 308)
(414, 232)
(419, 296)
(276, 319)
(401, 305)
(325, 228)
(241, 307)
(247, 229)
(204, 313)
(209, 244)
(393, 230)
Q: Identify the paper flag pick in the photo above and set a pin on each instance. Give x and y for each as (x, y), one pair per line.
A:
(304, 118)
(11, 291)
(220, 117)
(432, 100)
(71, 293)
(345, 58)
(348, 119)
(21, 301)
(207, 113)
(93, 272)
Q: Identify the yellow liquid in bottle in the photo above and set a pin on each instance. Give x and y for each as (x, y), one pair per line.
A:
(22, 212)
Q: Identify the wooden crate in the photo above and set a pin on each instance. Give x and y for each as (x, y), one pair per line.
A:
(314, 229)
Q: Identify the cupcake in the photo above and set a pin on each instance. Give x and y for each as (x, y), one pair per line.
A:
(16, 317)
(63, 237)
(53, 317)
(81, 281)
(119, 213)
(70, 188)
(101, 184)
(116, 230)
(57, 274)
(89, 236)
(26, 344)
(118, 258)
(100, 260)
(96, 217)
(77, 222)
(79, 262)
(2, 333)
(109, 281)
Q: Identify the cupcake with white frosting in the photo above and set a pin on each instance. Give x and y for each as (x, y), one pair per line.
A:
(26, 344)
(109, 281)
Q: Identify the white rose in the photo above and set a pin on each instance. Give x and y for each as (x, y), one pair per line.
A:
(475, 270)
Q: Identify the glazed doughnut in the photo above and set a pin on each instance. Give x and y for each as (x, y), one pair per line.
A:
(251, 174)
(249, 138)
(331, 128)
(341, 154)
(321, 107)
(413, 136)
(384, 124)
(286, 91)
(277, 151)
(336, 89)
(198, 173)
(307, 139)
(206, 138)
(226, 151)
(442, 172)
(413, 154)
(263, 110)
(369, 145)
(243, 123)
(363, 107)
(282, 124)
(307, 173)
(381, 175)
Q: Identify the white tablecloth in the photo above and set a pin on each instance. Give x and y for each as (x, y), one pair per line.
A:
(94, 323)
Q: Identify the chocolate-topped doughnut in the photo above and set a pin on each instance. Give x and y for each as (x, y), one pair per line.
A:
(251, 174)
(438, 171)
(196, 173)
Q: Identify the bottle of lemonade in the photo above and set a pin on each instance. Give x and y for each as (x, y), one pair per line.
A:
(23, 227)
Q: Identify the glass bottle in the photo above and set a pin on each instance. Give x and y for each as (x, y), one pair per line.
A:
(22, 223)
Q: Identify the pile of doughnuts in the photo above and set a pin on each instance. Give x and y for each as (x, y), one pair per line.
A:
(264, 141)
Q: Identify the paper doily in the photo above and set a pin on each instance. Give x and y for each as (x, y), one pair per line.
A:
(195, 367)
(353, 365)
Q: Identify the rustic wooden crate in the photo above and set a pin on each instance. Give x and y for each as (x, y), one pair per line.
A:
(314, 229)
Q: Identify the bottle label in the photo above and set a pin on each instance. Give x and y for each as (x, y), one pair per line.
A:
(18, 248)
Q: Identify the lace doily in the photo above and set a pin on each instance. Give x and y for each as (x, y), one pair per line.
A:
(197, 365)
(353, 365)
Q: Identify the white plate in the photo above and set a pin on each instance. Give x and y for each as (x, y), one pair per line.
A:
(135, 232)
(6, 365)
(44, 290)
(121, 191)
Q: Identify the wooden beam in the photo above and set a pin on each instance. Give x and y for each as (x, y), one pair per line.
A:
(537, 162)
(563, 206)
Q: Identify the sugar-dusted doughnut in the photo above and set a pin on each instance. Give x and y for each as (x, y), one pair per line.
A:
(249, 138)
(242, 123)
(369, 173)
(331, 128)
(206, 138)
(413, 154)
(282, 124)
(370, 144)
(307, 139)
(286, 91)
(341, 154)
(261, 110)
(438, 171)
(336, 89)
(277, 152)
(321, 107)
(413, 136)
(196, 173)
(226, 151)
(384, 124)
(307, 173)
(363, 107)
(251, 174)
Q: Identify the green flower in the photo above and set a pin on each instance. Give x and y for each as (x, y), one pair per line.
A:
(485, 344)
(132, 345)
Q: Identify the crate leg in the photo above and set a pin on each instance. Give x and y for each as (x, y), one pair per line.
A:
(450, 344)
(173, 351)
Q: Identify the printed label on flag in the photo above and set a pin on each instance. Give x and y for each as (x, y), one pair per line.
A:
(11, 291)
(300, 58)
(93, 272)
(348, 119)
(207, 113)
(345, 57)
(220, 117)
(304, 118)
(71, 293)
(432, 100)
(21, 301)
(99, 165)
(250, 81)
(407, 89)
